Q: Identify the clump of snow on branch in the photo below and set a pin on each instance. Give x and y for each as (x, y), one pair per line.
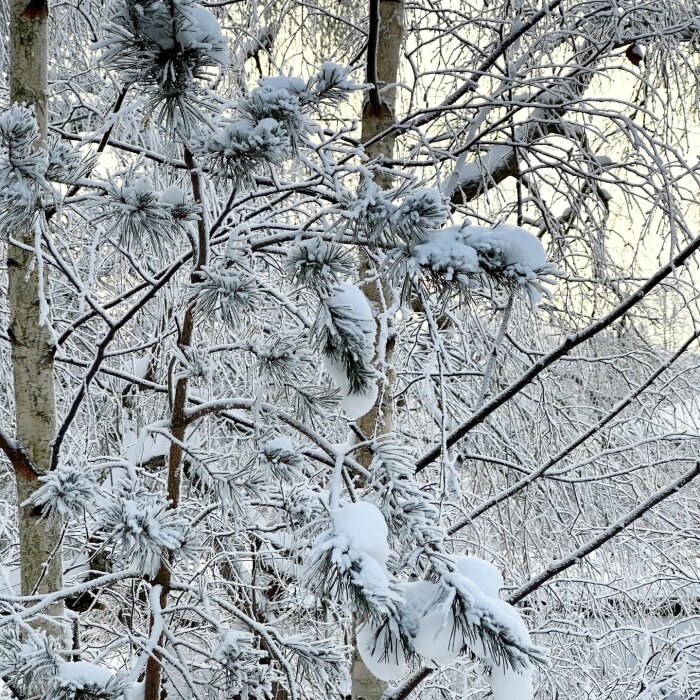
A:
(446, 252)
(346, 330)
(462, 612)
(350, 559)
(364, 528)
(456, 608)
(383, 654)
(412, 221)
(181, 208)
(507, 255)
(513, 253)
(484, 574)
(81, 679)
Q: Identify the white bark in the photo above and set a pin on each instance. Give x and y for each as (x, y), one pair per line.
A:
(32, 351)
(379, 419)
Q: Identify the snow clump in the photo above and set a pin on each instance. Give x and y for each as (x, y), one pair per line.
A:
(349, 328)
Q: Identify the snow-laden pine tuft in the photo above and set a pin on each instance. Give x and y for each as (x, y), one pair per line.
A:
(368, 211)
(19, 133)
(181, 207)
(319, 264)
(133, 208)
(227, 293)
(281, 458)
(420, 211)
(447, 253)
(22, 166)
(169, 49)
(278, 98)
(27, 664)
(331, 85)
(66, 164)
(345, 329)
(241, 666)
(320, 660)
(66, 493)
(455, 614)
(412, 518)
(464, 255)
(350, 559)
(279, 359)
(142, 528)
(240, 148)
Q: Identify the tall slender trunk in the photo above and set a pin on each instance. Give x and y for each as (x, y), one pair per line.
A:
(178, 425)
(41, 562)
(383, 57)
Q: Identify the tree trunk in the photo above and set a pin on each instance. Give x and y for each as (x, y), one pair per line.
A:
(378, 114)
(32, 348)
(178, 425)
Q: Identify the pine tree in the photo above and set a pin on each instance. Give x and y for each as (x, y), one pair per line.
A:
(189, 264)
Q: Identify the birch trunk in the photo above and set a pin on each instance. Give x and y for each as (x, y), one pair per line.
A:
(32, 348)
(377, 116)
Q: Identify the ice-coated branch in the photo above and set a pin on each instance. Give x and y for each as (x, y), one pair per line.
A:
(605, 536)
(593, 430)
(551, 357)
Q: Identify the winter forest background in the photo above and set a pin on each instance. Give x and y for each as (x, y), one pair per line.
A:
(349, 350)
